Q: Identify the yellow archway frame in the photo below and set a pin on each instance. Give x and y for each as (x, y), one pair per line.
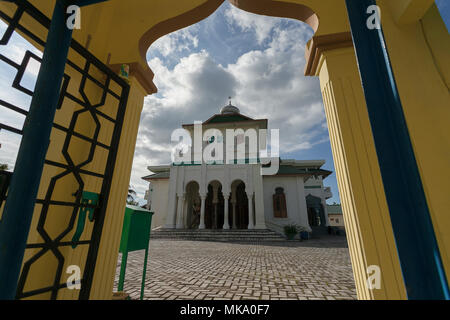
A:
(120, 32)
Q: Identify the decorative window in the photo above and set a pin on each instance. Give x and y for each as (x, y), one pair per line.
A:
(279, 203)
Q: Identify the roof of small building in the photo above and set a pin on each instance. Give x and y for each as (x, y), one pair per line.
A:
(302, 167)
(159, 175)
(163, 172)
(229, 117)
(294, 170)
(334, 209)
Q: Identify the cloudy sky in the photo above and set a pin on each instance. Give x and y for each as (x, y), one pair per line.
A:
(257, 60)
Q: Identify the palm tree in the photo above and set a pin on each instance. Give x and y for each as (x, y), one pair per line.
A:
(130, 196)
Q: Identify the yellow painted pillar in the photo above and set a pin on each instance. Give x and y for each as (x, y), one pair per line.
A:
(366, 215)
(419, 46)
(105, 269)
(419, 49)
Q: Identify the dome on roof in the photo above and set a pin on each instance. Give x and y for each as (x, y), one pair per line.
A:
(229, 109)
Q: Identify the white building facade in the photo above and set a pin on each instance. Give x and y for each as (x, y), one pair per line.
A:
(236, 195)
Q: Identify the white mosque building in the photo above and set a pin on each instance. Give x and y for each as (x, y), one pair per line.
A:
(235, 194)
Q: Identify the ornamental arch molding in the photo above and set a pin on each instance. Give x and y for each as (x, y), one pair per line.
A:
(330, 29)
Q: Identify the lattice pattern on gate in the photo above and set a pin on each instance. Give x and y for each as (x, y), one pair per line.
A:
(90, 114)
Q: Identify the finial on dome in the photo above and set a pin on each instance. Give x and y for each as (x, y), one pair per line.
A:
(229, 109)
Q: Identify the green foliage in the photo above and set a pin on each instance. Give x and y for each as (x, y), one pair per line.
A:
(290, 229)
(3, 166)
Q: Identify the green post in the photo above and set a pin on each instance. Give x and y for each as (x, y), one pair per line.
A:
(144, 273)
(123, 267)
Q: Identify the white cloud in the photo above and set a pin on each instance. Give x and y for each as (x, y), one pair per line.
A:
(176, 42)
(15, 51)
(272, 86)
(261, 25)
(10, 143)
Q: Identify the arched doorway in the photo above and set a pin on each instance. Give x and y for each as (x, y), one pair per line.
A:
(214, 206)
(316, 212)
(239, 205)
(193, 205)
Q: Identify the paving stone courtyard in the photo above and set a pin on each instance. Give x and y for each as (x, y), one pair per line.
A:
(314, 269)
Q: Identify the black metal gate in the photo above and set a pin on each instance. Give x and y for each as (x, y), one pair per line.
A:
(84, 74)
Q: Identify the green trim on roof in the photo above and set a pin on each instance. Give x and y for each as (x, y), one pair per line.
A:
(289, 169)
(219, 162)
(334, 209)
(285, 169)
(228, 118)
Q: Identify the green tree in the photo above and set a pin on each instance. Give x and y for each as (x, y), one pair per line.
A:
(3, 166)
(131, 197)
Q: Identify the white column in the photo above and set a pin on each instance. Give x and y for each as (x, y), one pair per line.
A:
(180, 224)
(226, 225)
(234, 214)
(202, 212)
(215, 200)
(186, 213)
(251, 223)
(260, 219)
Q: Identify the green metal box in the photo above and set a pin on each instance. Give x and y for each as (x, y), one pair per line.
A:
(136, 229)
(135, 236)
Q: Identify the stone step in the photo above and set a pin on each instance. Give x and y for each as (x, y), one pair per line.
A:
(211, 236)
(220, 239)
(217, 235)
(215, 230)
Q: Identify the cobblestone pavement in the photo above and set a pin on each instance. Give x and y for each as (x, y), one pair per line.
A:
(313, 269)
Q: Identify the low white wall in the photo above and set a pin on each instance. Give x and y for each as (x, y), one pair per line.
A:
(160, 200)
